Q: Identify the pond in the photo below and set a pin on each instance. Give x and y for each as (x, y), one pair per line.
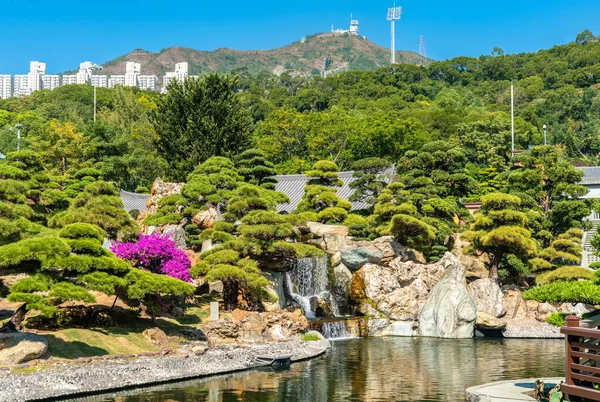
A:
(373, 369)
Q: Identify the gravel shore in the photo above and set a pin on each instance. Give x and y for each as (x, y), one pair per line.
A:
(71, 379)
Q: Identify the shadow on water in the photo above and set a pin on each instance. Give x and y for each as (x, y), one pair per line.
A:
(375, 369)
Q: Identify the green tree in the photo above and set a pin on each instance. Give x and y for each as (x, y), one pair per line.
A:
(499, 230)
(200, 118)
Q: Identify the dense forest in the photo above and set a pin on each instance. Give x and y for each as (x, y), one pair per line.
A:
(446, 128)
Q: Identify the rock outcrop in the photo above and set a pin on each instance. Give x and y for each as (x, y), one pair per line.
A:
(488, 296)
(159, 190)
(206, 219)
(356, 258)
(19, 347)
(450, 310)
(489, 321)
(399, 290)
(246, 326)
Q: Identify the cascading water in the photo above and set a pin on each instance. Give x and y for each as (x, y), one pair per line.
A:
(308, 282)
(335, 330)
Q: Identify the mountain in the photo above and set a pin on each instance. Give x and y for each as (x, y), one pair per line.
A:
(305, 57)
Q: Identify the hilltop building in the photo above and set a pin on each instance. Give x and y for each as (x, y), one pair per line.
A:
(21, 85)
(70, 79)
(116, 80)
(132, 72)
(145, 82)
(34, 78)
(353, 30)
(181, 73)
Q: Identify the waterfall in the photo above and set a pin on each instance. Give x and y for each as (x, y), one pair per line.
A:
(335, 330)
(308, 282)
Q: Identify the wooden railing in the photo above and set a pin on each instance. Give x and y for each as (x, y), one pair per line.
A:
(583, 358)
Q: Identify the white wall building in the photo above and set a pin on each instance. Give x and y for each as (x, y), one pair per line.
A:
(69, 79)
(5, 86)
(147, 82)
(116, 80)
(36, 71)
(132, 72)
(181, 73)
(21, 85)
(85, 72)
(99, 81)
(50, 82)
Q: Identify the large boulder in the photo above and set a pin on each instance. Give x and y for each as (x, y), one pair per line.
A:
(159, 190)
(177, 234)
(450, 310)
(328, 237)
(322, 342)
(357, 257)
(20, 347)
(399, 290)
(275, 289)
(489, 321)
(206, 219)
(342, 277)
(488, 296)
(321, 229)
(390, 249)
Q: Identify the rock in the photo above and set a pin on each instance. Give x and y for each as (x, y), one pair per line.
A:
(207, 245)
(512, 300)
(377, 326)
(20, 347)
(488, 296)
(177, 312)
(216, 286)
(450, 311)
(276, 292)
(578, 309)
(530, 328)
(155, 336)
(159, 190)
(399, 290)
(321, 343)
(401, 328)
(177, 234)
(335, 259)
(389, 247)
(415, 256)
(322, 308)
(320, 229)
(489, 321)
(357, 257)
(474, 266)
(342, 277)
(206, 219)
(278, 333)
(199, 350)
(543, 311)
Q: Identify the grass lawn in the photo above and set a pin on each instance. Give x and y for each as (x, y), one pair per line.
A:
(126, 338)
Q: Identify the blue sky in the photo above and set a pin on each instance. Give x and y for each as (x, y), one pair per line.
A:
(64, 33)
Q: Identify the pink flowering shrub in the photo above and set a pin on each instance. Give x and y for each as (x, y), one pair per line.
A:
(156, 253)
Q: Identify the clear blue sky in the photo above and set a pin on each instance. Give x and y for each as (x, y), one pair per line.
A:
(64, 33)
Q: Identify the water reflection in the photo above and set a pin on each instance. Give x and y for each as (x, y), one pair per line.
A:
(376, 369)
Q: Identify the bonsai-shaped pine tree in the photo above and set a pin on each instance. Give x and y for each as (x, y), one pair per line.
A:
(370, 179)
(252, 236)
(61, 274)
(210, 185)
(99, 204)
(320, 197)
(500, 230)
(565, 250)
(256, 169)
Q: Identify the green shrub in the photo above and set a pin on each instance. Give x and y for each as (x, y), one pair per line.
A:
(82, 230)
(595, 265)
(565, 292)
(332, 215)
(557, 319)
(565, 274)
(310, 337)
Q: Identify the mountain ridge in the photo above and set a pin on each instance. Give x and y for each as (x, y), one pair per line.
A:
(305, 58)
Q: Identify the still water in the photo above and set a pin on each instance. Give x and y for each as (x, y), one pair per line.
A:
(374, 369)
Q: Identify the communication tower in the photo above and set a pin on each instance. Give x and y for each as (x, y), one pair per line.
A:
(393, 15)
(422, 51)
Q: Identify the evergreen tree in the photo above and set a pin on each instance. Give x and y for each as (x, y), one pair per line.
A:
(499, 230)
(256, 169)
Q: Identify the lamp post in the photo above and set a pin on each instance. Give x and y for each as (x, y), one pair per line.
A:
(18, 127)
(545, 128)
(94, 69)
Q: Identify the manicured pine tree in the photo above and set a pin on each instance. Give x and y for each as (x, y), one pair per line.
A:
(499, 230)
(256, 169)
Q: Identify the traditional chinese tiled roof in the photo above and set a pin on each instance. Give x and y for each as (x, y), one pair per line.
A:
(134, 200)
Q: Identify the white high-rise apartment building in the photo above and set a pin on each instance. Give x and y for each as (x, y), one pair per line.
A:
(21, 85)
(99, 81)
(50, 81)
(180, 74)
(69, 79)
(147, 82)
(36, 71)
(116, 80)
(132, 72)
(5, 86)
(85, 72)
